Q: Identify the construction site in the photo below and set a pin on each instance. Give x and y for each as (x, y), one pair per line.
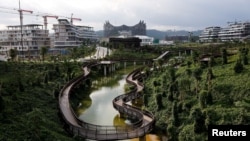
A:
(28, 39)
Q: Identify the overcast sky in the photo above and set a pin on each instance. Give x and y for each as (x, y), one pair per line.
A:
(157, 14)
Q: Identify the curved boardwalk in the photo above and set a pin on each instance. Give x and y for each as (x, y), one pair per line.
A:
(144, 120)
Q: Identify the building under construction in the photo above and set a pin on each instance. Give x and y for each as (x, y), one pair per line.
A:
(67, 35)
(35, 36)
(27, 41)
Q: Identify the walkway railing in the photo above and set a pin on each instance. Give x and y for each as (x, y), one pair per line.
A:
(144, 120)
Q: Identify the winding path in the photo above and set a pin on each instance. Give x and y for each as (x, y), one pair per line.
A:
(144, 120)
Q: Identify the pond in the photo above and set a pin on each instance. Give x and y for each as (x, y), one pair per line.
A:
(101, 111)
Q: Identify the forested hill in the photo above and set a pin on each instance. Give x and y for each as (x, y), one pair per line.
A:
(157, 34)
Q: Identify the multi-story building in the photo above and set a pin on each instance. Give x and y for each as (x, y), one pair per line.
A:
(145, 40)
(235, 31)
(111, 31)
(67, 35)
(210, 34)
(34, 37)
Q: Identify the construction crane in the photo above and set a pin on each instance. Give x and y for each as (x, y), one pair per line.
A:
(71, 19)
(21, 22)
(45, 20)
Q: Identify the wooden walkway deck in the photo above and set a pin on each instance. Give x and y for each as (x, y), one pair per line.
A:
(145, 120)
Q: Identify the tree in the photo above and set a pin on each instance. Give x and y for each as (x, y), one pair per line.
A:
(238, 67)
(197, 75)
(173, 89)
(175, 114)
(1, 100)
(188, 72)
(46, 78)
(43, 52)
(158, 99)
(13, 54)
(160, 62)
(35, 122)
(184, 87)
(245, 60)
(156, 84)
(195, 56)
(172, 132)
(243, 53)
(211, 61)
(199, 120)
(202, 99)
(172, 74)
(224, 56)
(145, 100)
(210, 76)
(74, 53)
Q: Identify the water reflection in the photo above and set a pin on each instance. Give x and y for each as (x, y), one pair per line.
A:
(101, 111)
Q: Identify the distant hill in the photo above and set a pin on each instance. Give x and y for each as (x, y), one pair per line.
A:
(162, 34)
(99, 33)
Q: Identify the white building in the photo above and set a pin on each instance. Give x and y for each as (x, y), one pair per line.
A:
(67, 35)
(210, 34)
(235, 31)
(145, 40)
(34, 37)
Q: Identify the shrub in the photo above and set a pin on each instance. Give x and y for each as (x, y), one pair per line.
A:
(238, 67)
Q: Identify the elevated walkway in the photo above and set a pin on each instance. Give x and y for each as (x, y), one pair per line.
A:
(161, 56)
(144, 120)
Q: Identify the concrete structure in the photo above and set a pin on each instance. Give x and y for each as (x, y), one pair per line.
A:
(138, 29)
(28, 43)
(210, 34)
(67, 35)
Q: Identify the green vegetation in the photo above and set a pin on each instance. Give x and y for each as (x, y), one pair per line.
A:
(187, 97)
(28, 100)
(137, 53)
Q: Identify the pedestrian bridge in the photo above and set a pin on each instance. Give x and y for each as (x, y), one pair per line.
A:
(145, 120)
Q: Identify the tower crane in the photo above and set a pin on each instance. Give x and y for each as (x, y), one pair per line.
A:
(21, 22)
(45, 20)
(71, 19)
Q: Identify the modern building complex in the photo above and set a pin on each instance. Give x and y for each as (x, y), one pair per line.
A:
(27, 41)
(235, 31)
(67, 35)
(210, 34)
(138, 29)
